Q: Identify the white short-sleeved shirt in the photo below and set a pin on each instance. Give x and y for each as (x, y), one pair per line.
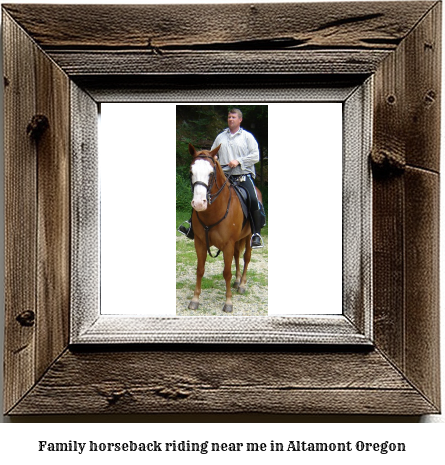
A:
(240, 146)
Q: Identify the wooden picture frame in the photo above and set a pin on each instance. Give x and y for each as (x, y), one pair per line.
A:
(89, 321)
(77, 55)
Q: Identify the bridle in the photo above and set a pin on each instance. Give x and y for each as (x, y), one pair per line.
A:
(210, 199)
(212, 180)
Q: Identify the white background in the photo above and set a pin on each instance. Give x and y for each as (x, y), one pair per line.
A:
(19, 441)
(137, 162)
(137, 149)
(305, 208)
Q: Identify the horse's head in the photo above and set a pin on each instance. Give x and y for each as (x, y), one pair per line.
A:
(202, 175)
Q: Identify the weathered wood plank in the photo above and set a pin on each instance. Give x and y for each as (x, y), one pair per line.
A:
(407, 106)
(401, 376)
(423, 92)
(407, 132)
(89, 327)
(422, 281)
(85, 241)
(388, 268)
(357, 209)
(37, 218)
(389, 141)
(223, 382)
(389, 159)
(350, 24)
(231, 400)
(406, 222)
(53, 226)
(20, 213)
(218, 87)
(78, 62)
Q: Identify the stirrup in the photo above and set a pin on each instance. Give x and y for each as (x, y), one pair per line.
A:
(186, 230)
(256, 246)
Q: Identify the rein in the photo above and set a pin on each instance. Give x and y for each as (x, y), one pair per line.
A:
(210, 199)
(207, 228)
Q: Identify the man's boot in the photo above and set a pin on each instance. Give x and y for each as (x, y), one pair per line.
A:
(187, 230)
(257, 241)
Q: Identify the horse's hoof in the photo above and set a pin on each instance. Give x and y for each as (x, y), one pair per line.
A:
(228, 308)
(193, 305)
(236, 284)
(241, 290)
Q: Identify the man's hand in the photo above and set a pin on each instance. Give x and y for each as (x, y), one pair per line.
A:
(233, 163)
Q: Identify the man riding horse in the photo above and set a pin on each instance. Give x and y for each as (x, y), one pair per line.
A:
(237, 155)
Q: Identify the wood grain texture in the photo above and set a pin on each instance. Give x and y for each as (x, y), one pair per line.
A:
(406, 205)
(407, 112)
(218, 87)
(20, 213)
(53, 199)
(388, 268)
(223, 382)
(397, 42)
(299, 25)
(357, 209)
(84, 181)
(423, 92)
(37, 220)
(422, 364)
(89, 327)
(118, 62)
(347, 38)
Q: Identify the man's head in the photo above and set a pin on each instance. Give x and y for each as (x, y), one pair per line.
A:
(234, 119)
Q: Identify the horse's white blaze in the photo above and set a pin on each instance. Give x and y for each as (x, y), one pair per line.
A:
(201, 171)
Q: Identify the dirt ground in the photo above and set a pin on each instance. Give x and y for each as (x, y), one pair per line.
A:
(253, 303)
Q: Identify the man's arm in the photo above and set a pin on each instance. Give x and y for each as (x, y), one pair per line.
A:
(253, 153)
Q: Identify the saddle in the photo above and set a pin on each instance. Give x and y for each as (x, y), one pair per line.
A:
(242, 194)
(244, 199)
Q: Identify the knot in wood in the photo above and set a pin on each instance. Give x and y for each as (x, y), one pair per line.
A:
(112, 394)
(114, 397)
(26, 318)
(37, 126)
(387, 162)
(172, 393)
(430, 97)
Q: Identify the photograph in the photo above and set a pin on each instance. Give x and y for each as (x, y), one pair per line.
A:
(221, 205)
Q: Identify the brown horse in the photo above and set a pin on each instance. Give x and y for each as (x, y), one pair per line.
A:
(218, 221)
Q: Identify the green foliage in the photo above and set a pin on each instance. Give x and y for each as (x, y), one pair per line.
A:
(183, 190)
(199, 125)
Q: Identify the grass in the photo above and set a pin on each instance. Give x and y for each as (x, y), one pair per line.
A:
(259, 278)
(213, 285)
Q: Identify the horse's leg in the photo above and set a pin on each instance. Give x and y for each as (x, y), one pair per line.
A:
(227, 273)
(237, 267)
(247, 255)
(201, 253)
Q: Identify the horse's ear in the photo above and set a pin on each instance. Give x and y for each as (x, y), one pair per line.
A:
(214, 152)
(192, 150)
